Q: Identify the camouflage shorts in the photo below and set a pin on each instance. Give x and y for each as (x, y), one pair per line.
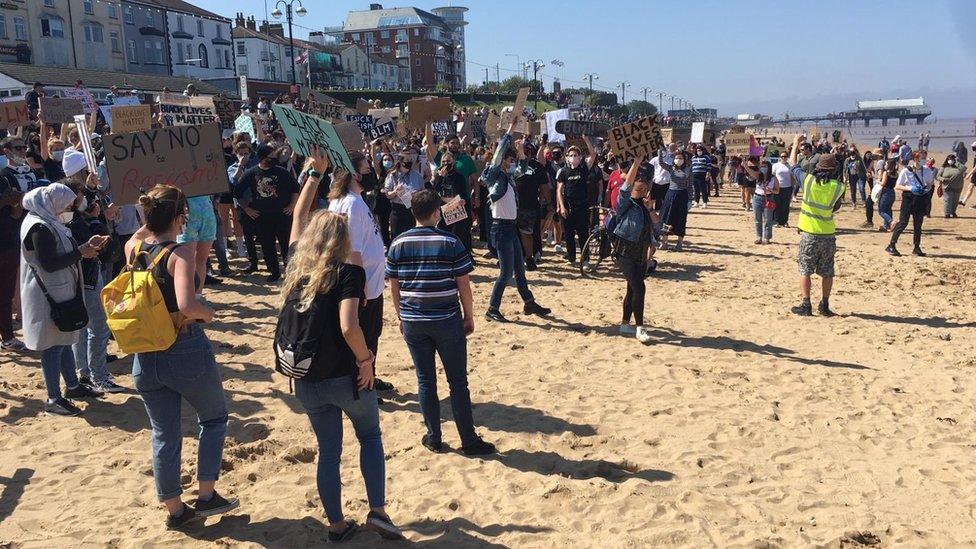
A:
(817, 254)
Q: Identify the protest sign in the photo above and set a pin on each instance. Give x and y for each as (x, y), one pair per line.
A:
(304, 130)
(441, 129)
(126, 100)
(84, 134)
(13, 114)
(520, 98)
(130, 118)
(60, 111)
(591, 128)
(491, 125)
(453, 211)
(477, 126)
(380, 130)
(737, 144)
(188, 157)
(380, 114)
(350, 135)
(84, 95)
(813, 134)
(227, 113)
(364, 121)
(422, 110)
(362, 106)
(553, 118)
(186, 111)
(245, 123)
(697, 132)
(639, 138)
(243, 86)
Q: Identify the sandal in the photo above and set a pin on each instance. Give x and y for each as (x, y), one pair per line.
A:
(345, 535)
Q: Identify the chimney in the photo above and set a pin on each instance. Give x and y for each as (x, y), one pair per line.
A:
(374, 7)
(250, 23)
(239, 20)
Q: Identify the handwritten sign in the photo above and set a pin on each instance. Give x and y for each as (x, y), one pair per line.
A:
(61, 111)
(441, 129)
(227, 113)
(126, 100)
(520, 99)
(350, 135)
(188, 157)
(364, 121)
(187, 111)
(697, 132)
(639, 138)
(422, 110)
(737, 144)
(303, 130)
(453, 211)
(380, 114)
(130, 118)
(245, 124)
(477, 126)
(380, 130)
(84, 134)
(13, 114)
(552, 121)
(84, 95)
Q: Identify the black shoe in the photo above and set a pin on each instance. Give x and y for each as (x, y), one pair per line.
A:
(61, 407)
(249, 269)
(530, 265)
(345, 535)
(226, 273)
(382, 525)
(492, 315)
(381, 385)
(489, 255)
(533, 308)
(82, 391)
(824, 310)
(215, 505)
(85, 380)
(803, 309)
(918, 252)
(111, 358)
(892, 250)
(211, 280)
(175, 523)
(479, 448)
(273, 278)
(433, 445)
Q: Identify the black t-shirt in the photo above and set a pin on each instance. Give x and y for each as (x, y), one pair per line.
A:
(270, 189)
(532, 176)
(53, 171)
(575, 185)
(20, 179)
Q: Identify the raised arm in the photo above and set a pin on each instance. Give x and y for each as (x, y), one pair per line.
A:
(319, 162)
(590, 160)
(429, 141)
(796, 147)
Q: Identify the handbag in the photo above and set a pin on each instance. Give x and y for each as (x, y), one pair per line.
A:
(68, 316)
(769, 204)
(876, 191)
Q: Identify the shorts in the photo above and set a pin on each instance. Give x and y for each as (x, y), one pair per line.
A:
(201, 225)
(526, 221)
(816, 255)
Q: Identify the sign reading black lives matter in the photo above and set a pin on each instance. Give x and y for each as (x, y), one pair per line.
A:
(179, 110)
(304, 130)
(639, 138)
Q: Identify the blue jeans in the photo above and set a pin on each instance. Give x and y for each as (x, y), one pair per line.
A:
(220, 249)
(700, 186)
(92, 345)
(447, 339)
(57, 362)
(187, 370)
(324, 402)
(885, 202)
(764, 217)
(505, 239)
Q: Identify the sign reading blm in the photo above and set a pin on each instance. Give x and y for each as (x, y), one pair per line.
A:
(304, 130)
(639, 138)
(188, 157)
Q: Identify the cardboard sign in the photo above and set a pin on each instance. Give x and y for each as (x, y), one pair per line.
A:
(552, 119)
(13, 114)
(477, 126)
(380, 114)
(188, 157)
(227, 113)
(422, 110)
(381, 130)
(441, 129)
(243, 86)
(60, 111)
(813, 134)
(520, 99)
(245, 123)
(364, 121)
(130, 118)
(84, 95)
(737, 144)
(303, 130)
(697, 132)
(187, 111)
(491, 125)
(453, 211)
(362, 106)
(350, 135)
(126, 100)
(575, 128)
(84, 134)
(639, 138)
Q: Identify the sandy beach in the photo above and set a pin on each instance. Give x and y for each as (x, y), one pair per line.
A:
(741, 426)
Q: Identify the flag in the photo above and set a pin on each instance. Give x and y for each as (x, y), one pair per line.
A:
(303, 57)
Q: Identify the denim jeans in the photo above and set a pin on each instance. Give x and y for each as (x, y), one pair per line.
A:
(220, 249)
(763, 217)
(58, 362)
(187, 370)
(92, 346)
(324, 402)
(857, 187)
(885, 202)
(504, 237)
(700, 186)
(447, 339)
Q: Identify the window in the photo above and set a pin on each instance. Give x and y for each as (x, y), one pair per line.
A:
(113, 11)
(154, 52)
(3, 26)
(89, 7)
(116, 43)
(384, 34)
(199, 27)
(204, 61)
(20, 28)
(49, 3)
(53, 28)
(220, 30)
(179, 55)
(241, 48)
(416, 62)
(150, 19)
(189, 51)
(227, 62)
(386, 49)
(402, 50)
(401, 35)
(93, 33)
(416, 46)
(416, 32)
(355, 37)
(179, 23)
(131, 47)
(242, 70)
(127, 14)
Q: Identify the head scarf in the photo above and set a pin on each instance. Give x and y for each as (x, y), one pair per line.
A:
(47, 202)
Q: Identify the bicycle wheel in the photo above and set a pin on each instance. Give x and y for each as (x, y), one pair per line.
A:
(591, 256)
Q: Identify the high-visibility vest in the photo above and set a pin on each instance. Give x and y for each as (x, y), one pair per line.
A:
(817, 208)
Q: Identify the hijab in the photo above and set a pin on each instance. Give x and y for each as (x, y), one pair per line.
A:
(49, 201)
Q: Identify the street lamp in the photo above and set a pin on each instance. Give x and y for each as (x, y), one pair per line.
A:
(591, 76)
(623, 91)
(536, 65)
(301, 12)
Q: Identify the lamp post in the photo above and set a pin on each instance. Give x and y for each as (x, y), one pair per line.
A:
(518, 59)
(536, 65)
(301, 12)
(623, 91)
(660, 104)
(591, 76)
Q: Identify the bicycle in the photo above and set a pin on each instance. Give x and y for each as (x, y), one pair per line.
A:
(597, 246)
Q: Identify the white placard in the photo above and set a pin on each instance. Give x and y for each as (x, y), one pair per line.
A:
(454, 211)
(82, 124)
(697, 132)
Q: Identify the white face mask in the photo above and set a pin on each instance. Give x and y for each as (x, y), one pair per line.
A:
(679, 162)
(573, 161)
(66, 217)
(951, 162)
(57, 155)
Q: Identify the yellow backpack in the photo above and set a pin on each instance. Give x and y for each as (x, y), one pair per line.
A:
(135, 308)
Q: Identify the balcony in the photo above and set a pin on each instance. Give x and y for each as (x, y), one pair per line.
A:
(220, 42)
(151, 31)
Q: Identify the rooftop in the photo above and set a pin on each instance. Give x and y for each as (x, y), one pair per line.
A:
(393, 17)
(185, 7)
(66, 77)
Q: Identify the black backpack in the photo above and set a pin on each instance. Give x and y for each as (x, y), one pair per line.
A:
(297, 337)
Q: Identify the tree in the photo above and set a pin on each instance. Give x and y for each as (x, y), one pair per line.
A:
(641, 108)
(600, 99)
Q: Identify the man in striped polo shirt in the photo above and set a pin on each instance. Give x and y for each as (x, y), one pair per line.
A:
(428, 270)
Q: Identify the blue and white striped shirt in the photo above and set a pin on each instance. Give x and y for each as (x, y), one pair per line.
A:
(701, 164)
(426, 261)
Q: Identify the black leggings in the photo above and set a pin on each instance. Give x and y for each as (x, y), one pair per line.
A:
(633, 272)
(576, 223)
(911, 206)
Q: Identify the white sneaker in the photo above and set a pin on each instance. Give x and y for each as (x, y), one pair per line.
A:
(704, 205)
(559, 249)
(587, 267)
(627, 329)
(643, 336)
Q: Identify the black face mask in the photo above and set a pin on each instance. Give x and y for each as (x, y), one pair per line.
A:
(557, 156)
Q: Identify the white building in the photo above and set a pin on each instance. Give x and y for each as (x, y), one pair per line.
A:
(386, 73)
(199, 41)
(258, 54)
(355, 63)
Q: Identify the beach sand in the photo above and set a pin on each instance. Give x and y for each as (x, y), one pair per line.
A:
(741, 426)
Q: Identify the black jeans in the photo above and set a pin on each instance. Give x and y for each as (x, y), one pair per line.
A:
(701, 187)
(633, 272)
(272, 229)
(576, 223)
(782, 213)
(911, 206)
(401, 220)
(250, 233)
(868, 209)
(371, 322)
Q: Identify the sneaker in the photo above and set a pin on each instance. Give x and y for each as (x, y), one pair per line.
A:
(13, 344)
(249, 269)
(433, 445)
(679, 246)
(559, 249)
(587, 267)
(918, 252)
(494, 315)
(533, 308)
(82, 391)
(530, 265)
(892, 250)
(489, 255)
(479, 448)
(803, 310)
(766, 241)
(226, 273)
(85, 380)
(61, 407)
(758, 241)
(867, 225)
(109, 386)
(177, 522)
(344, 535)
(627, 329)
(216, 505)
(824, 310)
(643, 335)
(704, 206)
(382, 525)
(381, 385)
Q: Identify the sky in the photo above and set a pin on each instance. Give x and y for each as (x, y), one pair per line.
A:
(740, 56)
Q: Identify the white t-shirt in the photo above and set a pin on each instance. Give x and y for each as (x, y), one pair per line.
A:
(907, 179)
(661, 175)
(783, 174)
(365, 239)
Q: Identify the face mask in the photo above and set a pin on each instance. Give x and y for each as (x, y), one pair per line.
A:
(387, 164)
(952, 162)
(66, 217)
(16, 160)
(573, 161)
(83, 205)
(406, 164)
(3, 161)
(57, 155)
(912, 165)
(763, 170)
(557, 156)
(679, 162)
(512, 168)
